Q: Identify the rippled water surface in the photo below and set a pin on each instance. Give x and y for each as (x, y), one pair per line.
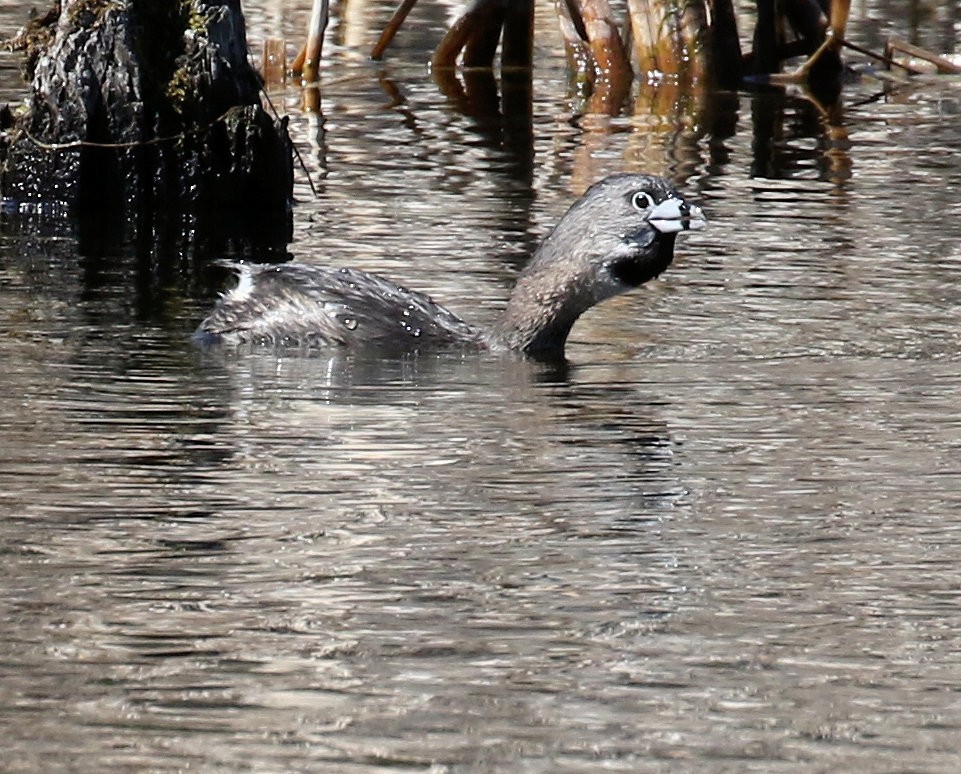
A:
(725, 536)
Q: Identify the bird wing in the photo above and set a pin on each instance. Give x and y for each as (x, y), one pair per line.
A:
(302, 304)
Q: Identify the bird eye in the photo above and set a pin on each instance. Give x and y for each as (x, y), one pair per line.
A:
(642, 201)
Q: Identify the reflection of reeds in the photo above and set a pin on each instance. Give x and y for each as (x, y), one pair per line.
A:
(669, 51)
(666, 120)
(664, 114)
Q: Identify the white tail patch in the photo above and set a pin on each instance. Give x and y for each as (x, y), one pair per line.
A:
(245, 284)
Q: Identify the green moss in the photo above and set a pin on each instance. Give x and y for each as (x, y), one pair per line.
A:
(195, 19)
(164, 36)
(34, 38)
(160, 34)
(86, 13)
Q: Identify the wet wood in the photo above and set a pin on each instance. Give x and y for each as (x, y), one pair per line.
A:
(484, 35)
(274, 64)
(819, 36)
(517, 42)
(396, 20)
(808, 21)
(475, 35)
(604, 40)
(943, 65)
(450, 47)
(768, 39)
(670, 36)
(146, 107)
(726, 46)
(888, 60)
(307, 62)
(840, 11)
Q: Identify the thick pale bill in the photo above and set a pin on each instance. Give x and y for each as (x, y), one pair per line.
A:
(675, 214)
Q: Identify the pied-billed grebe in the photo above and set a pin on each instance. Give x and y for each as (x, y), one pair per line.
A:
(617, 236)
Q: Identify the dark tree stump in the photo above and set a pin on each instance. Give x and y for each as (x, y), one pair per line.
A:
(149, 109)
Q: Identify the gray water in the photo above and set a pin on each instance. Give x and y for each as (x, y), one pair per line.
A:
(725, 536)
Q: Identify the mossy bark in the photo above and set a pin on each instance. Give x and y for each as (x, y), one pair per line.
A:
(149, 107)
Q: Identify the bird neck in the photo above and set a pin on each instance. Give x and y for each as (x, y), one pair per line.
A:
(541, 311)
(557, 288)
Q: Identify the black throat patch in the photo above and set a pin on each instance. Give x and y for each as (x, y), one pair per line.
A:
(635, 270)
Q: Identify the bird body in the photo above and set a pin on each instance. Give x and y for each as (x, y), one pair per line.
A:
(617, 236)
(297, 304)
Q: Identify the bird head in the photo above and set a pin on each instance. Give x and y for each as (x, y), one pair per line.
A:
(617, 236)
(620, 233)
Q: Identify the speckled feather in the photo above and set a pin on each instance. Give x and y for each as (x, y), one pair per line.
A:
(299, 304)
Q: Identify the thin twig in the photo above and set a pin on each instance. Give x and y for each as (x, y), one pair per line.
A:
(61, 146)
(377, 52)
(880, 57)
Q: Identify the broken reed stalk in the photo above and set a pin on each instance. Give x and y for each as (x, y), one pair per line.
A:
(886, 59)
(575, 37)
(945, 66)
(604, 40)
(307, 63)
(670, 36)
(396, 20)
(479, 29)
(517, 41)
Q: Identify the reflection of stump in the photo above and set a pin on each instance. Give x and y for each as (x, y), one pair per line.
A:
(141, 107)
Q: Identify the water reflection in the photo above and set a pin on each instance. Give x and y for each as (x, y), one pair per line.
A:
(502, 108)
(667, 124)
(163, 523)
(784, 128)
(726, 531)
